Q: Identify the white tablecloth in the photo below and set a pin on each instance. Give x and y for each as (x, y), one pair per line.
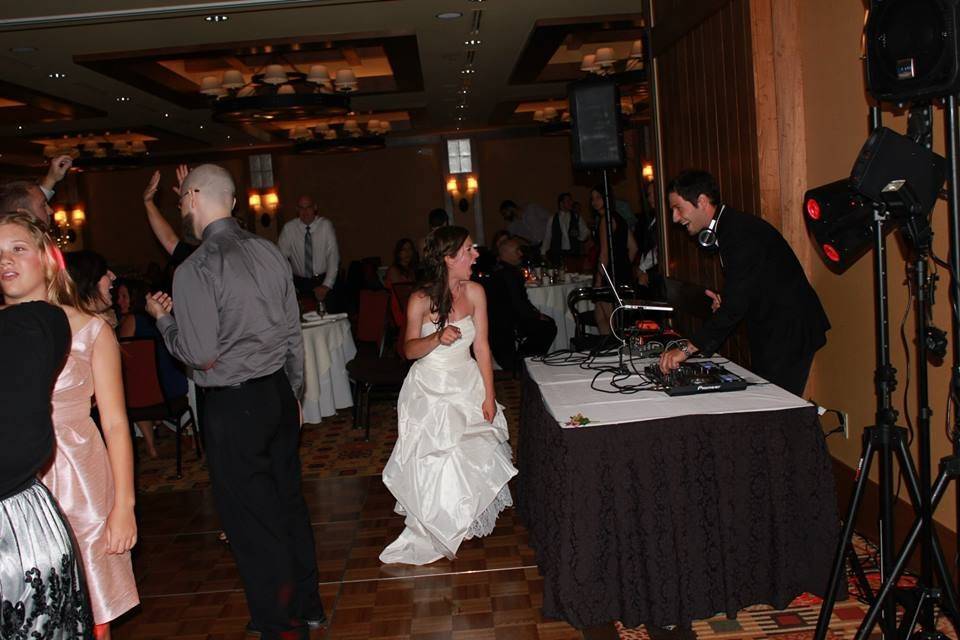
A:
(328, 347)
(551, 300)
(566, 392)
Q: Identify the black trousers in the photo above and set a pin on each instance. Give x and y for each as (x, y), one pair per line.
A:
(251, 435)
(792, 376)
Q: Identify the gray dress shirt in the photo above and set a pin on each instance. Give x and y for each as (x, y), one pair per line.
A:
(236, 314)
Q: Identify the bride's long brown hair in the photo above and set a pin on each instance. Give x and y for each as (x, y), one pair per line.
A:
(441, 243)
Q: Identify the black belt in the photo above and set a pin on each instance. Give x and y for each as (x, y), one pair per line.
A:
(243, 384)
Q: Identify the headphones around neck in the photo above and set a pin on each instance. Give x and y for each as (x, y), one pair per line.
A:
(707, 238)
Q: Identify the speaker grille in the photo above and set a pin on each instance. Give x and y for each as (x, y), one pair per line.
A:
(596, 136)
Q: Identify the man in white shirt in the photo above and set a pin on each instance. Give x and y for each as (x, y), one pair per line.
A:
(566, 231)
(33, 197)
(310, 244)
(526, 223)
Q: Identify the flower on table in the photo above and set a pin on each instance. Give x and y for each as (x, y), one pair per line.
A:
(578, 420)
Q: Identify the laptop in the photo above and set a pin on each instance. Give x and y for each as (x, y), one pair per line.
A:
(634, 304)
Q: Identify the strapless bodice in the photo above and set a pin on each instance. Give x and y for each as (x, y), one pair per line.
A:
(455, 354)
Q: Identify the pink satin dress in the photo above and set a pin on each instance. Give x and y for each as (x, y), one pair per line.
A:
(81, 480)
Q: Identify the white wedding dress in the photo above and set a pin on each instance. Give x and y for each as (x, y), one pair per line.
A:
(449, 468)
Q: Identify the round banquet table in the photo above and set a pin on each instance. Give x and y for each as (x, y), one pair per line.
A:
(551, 300)
(328, 347)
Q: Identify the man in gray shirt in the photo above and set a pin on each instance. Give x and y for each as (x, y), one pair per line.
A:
(237, 325)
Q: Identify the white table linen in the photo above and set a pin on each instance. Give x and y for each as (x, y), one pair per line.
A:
(566, 392)
(328, 347)
(551, 300)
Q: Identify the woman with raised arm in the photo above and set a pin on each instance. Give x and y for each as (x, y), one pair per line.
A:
(90, 476)
(450, 466)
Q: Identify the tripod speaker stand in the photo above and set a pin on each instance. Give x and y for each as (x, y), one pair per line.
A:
(888, 440)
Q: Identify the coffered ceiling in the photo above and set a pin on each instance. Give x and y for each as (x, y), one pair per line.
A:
(134, 67)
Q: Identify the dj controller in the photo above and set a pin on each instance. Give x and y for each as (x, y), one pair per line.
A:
(695, 377)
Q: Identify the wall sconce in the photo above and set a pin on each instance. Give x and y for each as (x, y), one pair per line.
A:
(452, 186)
(254, 201)
(647, 172)
(61, 231)
(472, 185)
(271, 201)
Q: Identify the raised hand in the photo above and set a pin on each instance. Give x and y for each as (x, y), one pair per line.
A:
(151, 189)
(182, 172)
(59, 167)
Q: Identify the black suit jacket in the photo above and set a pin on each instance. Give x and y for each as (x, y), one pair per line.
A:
(765, 285)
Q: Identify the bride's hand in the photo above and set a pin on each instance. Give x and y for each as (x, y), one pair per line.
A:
(489, 408)
(449, 334)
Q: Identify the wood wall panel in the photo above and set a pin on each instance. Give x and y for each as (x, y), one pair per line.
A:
(708, 121)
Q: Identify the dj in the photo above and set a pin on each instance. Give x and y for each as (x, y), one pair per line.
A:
(764, 284)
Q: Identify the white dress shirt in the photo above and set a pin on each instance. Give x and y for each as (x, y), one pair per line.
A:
(564, 231)
(326, 254)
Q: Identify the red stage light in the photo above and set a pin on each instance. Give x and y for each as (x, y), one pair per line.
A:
(831, 253)
(813, 209)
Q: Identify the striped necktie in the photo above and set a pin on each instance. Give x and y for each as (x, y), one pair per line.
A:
(308, 254)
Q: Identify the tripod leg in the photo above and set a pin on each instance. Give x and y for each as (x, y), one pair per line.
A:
(949, 607)
(949, 603)
(830, 597)
(860, 574)
(900, 563)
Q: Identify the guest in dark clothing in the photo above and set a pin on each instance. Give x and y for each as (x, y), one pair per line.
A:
(764, 285)
(135, 323)
(566, 232)
(512, 314)
(168, 238)
(41, 586)
(624, 249)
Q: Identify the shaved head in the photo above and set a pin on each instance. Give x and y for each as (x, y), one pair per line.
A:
(214, 185)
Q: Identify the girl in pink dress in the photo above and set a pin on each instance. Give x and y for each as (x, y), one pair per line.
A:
(92, 480)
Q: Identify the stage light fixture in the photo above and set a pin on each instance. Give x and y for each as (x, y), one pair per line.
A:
(894, 175)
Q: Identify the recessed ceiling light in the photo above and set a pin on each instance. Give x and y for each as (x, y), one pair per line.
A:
(201, 126)
(449, 15)
(217, 18)
(19, 127)
(472, 42)
(123, 99)
(22, 49)
(56, 75)
(166, 115)
(228, 137)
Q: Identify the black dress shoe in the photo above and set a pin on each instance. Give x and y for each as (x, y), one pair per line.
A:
(316, 623)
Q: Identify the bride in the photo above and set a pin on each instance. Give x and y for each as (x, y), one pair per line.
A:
(450, 466)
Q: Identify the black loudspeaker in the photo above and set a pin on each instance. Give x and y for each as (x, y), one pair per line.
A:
(596, 132)
(912, 49)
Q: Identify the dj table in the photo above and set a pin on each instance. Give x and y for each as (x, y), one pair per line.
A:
(666, 510)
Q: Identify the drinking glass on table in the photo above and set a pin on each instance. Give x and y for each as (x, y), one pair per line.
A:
(321, 308)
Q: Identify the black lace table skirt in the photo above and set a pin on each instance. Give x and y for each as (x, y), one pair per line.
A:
(667, 521)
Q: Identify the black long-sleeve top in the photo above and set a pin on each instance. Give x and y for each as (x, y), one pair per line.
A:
(34, 343)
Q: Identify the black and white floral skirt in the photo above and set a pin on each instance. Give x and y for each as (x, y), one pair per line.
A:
(41, 583)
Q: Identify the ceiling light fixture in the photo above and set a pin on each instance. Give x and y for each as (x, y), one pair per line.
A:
(123, 99)
(217, 18)
(280, 91)
(341, 137)
(99, 151)
(472, 42)
(603, 61)
(449, 15)
(56, 75)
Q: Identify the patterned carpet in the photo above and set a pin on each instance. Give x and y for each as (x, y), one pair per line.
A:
(796, 622)
(331, 448)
